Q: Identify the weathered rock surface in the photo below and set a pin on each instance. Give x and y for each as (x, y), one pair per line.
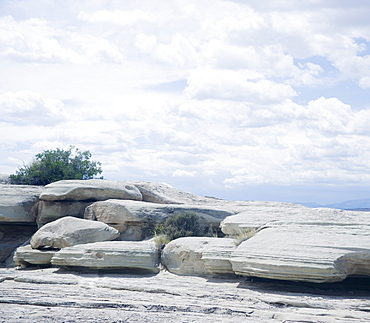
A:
(141, 255)
(198, 256)
(70, 231)
(26, 255)
(301, 244)
(54, 295)
(48, 211)
(17, 201)
(92, 189)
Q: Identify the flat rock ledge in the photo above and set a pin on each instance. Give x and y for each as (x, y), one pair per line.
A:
(26, 255)
(92, 189)
(139, 255)
(70, 231)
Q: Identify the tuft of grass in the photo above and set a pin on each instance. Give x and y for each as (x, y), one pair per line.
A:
(161, 240)
(244, 234)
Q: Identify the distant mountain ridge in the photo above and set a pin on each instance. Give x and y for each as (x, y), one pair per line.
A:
(363, 204)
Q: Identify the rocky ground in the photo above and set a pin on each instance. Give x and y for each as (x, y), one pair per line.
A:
(58, 295)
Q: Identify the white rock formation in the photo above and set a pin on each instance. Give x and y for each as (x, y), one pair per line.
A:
(198, 256)
(26, 255)
(70, 231)
(141, 255)
(301, 244)
(92, 189)
(17, 201)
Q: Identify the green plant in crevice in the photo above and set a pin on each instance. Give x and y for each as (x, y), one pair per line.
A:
(244, 234)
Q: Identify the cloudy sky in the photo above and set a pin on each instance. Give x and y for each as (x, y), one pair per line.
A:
(250, 100)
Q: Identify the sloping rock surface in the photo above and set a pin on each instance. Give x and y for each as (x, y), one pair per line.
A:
(92, 189)
(301, 244)
(198, 256)
(70, 231)
(141, 255)
(17, 201)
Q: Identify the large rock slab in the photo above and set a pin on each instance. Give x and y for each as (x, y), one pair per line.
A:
(130, 215)
(17, 203)
(49, 211)
(198, 256)
(311, 254)
(26, 255)
(70, 231)
(119, 211)
(138, 255)
(301, 244)
(92, 189)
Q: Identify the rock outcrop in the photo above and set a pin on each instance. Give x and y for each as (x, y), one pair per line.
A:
(134, 255)
(70, 231)
(198, 256)
(284, 241)
(131, 215)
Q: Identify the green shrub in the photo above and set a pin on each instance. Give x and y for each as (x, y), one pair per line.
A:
(54, 165)
(186, 224)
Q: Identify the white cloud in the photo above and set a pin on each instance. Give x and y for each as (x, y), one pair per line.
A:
(183, 173)
(36, 41)
(180, 50)
(271, 96)
(206, 83)
(27, 107)
(117, 17)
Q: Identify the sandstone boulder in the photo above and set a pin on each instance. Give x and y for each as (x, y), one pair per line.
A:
(301, 244)
(26, 255)
(48, 211)
(134, 255)
(17, 203)
(198, 256)
(93, 189)
(70, 231)
(129, 216)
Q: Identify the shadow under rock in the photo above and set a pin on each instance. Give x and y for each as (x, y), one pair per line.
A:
(115, 273)
(351, 287)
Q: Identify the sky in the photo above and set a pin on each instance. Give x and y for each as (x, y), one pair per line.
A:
(243, 100)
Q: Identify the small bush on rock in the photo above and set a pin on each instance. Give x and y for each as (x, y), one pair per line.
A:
(186, 224)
